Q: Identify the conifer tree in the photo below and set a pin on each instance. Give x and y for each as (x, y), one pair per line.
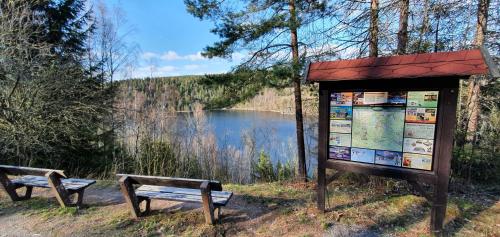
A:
(271, 32)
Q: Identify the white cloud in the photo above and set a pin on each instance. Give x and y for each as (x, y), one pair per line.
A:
(173, 56)
(170, 56)
(195, 57)
(237, 56)
(149, 55)
(171, 63)
(153, 70)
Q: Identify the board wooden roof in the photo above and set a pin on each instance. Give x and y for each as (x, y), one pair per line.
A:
(445, 64)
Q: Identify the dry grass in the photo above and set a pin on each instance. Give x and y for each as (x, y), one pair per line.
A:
(275, 209)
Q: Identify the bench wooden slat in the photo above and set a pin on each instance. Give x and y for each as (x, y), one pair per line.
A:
(20, 170)
(220, 198)
(42, 182)
(169, 181)
(195, 192)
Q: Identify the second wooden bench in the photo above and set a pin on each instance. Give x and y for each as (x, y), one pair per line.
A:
(207, 192)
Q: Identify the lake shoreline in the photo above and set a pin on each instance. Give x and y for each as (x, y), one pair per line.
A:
(248, 110)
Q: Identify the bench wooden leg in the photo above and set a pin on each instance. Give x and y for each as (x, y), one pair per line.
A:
(79, 198)
(11, 188)
(27, 194)
(208, 206)
(58, 189)
(147, 207)
(218, 214)
(128, 192)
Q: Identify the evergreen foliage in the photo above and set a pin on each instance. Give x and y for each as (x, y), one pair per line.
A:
(264, 168)
(266, 172)
(51, 112)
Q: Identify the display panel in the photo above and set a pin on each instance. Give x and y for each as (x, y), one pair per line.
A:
(342, 113)
(363, 155)
(415, 130)
(342, 153)
(392, 128)
(417, 161)
(423, 98)
(378, 128)
(391, 158)
(340, 126)
(421, 115)
(341, 99)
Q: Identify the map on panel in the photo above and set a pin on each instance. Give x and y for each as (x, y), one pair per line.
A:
(378, 128)
(390, 128)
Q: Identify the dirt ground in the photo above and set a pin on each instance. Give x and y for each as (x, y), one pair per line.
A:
(255, 210)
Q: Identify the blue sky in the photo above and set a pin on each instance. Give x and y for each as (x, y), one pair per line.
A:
(170, 39)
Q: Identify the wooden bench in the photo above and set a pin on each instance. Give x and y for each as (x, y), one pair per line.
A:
(56, 180)
(207, 192)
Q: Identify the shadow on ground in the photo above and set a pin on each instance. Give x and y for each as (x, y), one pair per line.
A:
(362, 219)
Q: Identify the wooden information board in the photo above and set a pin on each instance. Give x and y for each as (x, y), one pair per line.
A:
(392, 117)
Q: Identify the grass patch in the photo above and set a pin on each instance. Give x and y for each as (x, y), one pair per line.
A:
(181, 223)
(303, 218)
(279, 209)
(46, 208)
(276, 189)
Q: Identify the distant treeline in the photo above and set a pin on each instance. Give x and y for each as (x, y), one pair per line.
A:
(184, 91)
(212, 91)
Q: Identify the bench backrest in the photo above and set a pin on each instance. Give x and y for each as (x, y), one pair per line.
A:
(20, 170)
(172, 182)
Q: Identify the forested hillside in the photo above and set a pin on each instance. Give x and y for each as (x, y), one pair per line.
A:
(179, 93)
(183, 92)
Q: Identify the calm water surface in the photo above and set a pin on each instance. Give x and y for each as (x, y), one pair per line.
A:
(272, 132)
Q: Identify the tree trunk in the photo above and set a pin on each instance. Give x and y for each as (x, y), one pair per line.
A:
(474, 91)
(424, 28)
(297, 92)
(373, 28)
(436, 33)
(403, 26)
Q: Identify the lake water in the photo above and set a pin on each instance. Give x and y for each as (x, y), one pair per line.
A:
(273, 133)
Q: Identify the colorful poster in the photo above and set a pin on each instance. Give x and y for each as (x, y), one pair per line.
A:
(419, 130)
(397, 98)
(342, 153)
(340, 139)
(379, 128)
(388, 158)
(341, 99)
(363, 155)
(340, 126)
(423, 98)
(374, 98)
(339, 112)
(421, 115)
(420, 146)
(417, 161)
(379, 98)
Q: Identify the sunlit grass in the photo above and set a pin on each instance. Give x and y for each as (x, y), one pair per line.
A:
(279, 209)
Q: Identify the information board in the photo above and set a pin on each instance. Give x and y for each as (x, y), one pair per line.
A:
(392, 128)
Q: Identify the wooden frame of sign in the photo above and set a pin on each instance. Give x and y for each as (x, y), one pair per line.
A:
(437, 176)
(378, 130)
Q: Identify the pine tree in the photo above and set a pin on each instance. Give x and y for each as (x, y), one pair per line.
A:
(270, 30)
